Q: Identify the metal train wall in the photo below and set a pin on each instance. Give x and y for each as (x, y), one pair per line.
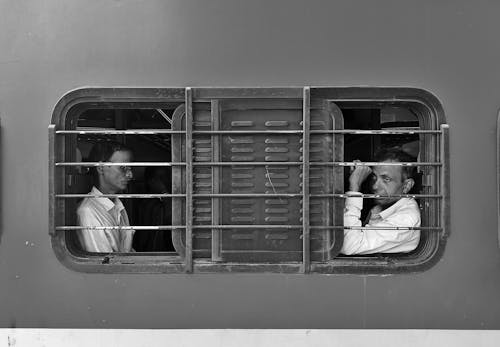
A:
(447, 51)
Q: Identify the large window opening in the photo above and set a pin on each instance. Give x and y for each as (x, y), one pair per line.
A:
(244, 179)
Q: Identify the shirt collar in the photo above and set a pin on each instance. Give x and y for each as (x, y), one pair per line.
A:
(106, 202)
(393, 208)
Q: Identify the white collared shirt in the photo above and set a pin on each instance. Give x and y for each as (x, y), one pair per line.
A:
(102, 211)
(404, 213)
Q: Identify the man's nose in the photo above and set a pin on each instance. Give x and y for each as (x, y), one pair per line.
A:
(129, 174)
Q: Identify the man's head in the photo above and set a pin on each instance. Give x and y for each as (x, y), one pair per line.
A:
(111, 179)
(392, 179)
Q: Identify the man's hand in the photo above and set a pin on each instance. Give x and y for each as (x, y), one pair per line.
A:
(358, 175)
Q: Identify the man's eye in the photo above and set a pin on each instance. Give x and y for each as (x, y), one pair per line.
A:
(387, 179)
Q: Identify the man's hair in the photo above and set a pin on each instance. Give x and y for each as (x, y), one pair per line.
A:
(103, 151)
(398, 155)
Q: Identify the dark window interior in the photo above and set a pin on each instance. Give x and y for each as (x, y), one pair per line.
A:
(146, 148)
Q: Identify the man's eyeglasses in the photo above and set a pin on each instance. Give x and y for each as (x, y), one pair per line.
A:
(125, 169)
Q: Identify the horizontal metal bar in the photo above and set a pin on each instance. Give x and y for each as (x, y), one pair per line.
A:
(374, 228)
(120, 132)
(250, 163)
(246, 132)
(326, 131)
(127, 227)
(243, 132)
(328, 163)
(247, 195)
(172, 227)
(376, 196)
(120, 196)
(375, 132)
(238, 226)
(385, 163)
(150, 163)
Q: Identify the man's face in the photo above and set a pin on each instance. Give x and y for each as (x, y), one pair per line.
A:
(387, 180)
(114, 179)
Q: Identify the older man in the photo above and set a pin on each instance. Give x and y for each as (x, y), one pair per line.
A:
(102, 211)
(379, 234)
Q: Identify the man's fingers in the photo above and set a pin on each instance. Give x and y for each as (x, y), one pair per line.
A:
(352, 168)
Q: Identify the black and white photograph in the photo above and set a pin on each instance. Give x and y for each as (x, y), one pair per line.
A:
(251, 173)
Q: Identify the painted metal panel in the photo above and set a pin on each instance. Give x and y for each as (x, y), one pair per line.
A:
(51, 47)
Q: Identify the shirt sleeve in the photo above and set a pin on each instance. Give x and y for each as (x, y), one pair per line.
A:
(127, 236)
(377, 240)
(92, 240)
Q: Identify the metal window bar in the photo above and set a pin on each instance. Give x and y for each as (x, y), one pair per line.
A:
(248, 195)
(445, 182)
(102, 163)
(189, 181)
(215, 113)
(238, 226)
(120, 132)
(52, 160)
(306, 240)
(120, 196)
(248, 163)
(326, 163)
(314, 132)
(233, 132)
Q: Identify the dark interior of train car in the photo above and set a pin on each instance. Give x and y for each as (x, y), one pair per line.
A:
(152, 180)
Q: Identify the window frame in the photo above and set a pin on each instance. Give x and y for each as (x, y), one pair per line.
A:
(76, 101)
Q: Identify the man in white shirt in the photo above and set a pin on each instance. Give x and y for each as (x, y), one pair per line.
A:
(103, 211)
(380, 234)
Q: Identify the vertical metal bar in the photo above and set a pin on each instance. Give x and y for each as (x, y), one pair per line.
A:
(338, 178)
(52, 193)
(306, 237)
(216, 205)
(445, 179)
(189, 181)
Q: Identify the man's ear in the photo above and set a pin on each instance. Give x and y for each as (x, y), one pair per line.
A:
(408, 185)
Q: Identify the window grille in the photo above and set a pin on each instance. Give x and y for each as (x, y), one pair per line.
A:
(257, 177)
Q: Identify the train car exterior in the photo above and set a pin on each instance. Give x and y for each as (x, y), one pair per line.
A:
(425, 71)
